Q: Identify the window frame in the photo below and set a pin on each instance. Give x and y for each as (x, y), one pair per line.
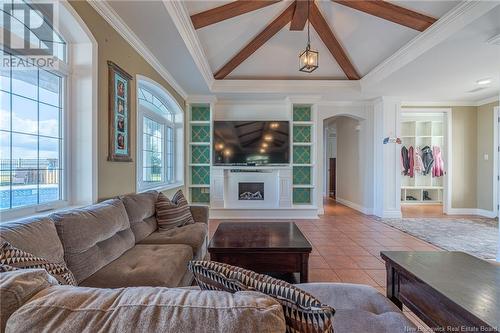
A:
(79, 121)
(177, 126)
(62, 70)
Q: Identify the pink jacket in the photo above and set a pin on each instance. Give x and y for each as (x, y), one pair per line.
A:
(438, 167)
(419, 165)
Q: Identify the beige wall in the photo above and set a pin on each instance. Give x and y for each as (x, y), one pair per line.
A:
(472, 137)
(464, 151)
(116, 177)
(349, 185)
(485, 145)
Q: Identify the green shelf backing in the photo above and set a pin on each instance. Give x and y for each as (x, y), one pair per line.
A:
(200, 112)
(200, 133)
(302, 196)
(302, 154)
(200, 175)
(301, 133)
(301, 113)
(200, 154)
(200, 195)
(301, 175)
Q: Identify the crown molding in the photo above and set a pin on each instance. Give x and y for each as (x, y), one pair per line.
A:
(438, 103)
(302, 87)
(484, 101)
(456, 19)
(492, 99)
(304, 99)
(109, 14)
(347, 103)
(182, 22)
(192, 99)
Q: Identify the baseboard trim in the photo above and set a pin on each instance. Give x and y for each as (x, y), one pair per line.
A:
(355, 206)
(472, 211)
(391, 214)
(259, 214)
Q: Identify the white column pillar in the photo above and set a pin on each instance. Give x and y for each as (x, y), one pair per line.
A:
(387, 158)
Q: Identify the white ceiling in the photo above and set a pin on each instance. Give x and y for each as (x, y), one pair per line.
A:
(368, 40)
(445, 72)
(450, 70)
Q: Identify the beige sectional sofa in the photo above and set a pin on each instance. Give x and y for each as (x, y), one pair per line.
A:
(116, 244)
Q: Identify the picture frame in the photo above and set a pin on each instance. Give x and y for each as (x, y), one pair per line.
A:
(119, 114)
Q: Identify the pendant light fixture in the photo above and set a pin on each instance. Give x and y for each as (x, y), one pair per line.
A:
(308, 59)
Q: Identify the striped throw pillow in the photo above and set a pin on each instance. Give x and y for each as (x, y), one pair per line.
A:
(173, 213)
(303, 312)
(12, 259)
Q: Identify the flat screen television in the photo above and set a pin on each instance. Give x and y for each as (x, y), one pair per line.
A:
(251, 143)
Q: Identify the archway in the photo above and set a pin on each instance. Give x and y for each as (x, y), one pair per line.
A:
(354, 181)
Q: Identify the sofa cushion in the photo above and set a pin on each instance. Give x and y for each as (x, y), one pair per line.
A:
(144, 265)
(303, 312)
(93, 236)
(146, 309)
(37, 236)
(350, 296)
(359, 308)
(172, 213)
(17, 287)
(12, 258)
(141, 213)
(199, 213)
(192, 234)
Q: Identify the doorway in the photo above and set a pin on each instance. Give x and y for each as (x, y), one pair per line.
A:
(425, 157)
(332, 177)
(345, 161)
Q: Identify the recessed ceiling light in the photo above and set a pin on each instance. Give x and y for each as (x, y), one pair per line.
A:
(483, 82)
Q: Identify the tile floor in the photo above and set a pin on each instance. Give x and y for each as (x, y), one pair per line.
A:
(347, 245)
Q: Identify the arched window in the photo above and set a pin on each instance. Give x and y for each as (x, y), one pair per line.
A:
(160, 128)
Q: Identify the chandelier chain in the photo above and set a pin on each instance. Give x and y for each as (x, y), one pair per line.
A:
(308, 25)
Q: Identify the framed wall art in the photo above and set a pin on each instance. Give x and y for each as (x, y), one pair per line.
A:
(119, 114)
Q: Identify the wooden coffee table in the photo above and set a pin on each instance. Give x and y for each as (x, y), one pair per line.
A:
(264, 247)
(449, 291)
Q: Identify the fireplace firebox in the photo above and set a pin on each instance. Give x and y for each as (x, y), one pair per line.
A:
(250, 191)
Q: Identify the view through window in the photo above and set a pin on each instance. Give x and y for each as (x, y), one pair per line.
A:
(157, 141)
(31, 117)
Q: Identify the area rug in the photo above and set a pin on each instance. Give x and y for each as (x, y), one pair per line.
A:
(476, 236)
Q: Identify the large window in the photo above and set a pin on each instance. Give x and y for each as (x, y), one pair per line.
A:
(31, 126)
(159, 124)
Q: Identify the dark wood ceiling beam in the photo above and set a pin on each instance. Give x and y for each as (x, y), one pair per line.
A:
(325, 33)
(228, 11)
(299, 16)
(391, 12)
(275, 26)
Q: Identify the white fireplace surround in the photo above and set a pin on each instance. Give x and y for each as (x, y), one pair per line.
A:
(277, 187)
(270, 178)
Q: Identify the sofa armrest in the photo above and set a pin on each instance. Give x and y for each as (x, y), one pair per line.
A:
(147, 309)
(200, 213)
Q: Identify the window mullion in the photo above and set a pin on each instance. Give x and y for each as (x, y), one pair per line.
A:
(38, 138)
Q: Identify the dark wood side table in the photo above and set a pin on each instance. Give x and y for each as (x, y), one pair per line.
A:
(278, 247)
(449, 291)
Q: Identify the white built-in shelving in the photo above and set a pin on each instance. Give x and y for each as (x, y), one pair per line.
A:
(418, 131)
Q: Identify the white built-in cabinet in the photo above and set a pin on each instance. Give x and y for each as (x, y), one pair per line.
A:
(420, 130)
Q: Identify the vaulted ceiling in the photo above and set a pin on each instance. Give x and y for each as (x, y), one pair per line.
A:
(443, 63)
(261, 39)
